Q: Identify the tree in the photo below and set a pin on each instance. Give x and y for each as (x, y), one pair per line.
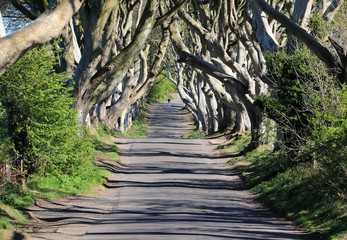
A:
(225, 42)
(335, 63)
(2, 27)
(45, 28)
(221, 46)
(101, 43)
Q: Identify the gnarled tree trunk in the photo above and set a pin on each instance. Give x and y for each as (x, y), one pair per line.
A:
(45, 28)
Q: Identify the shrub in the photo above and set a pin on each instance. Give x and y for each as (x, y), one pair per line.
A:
(42, 125)
(310, 108)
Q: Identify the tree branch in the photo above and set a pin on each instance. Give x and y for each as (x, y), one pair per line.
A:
(321, 52)
(45, 28)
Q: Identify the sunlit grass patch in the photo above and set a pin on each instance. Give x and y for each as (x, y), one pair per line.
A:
(11, 217)
(236, 143)
(194, 134)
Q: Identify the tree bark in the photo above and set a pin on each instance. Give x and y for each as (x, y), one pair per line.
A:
(46, 27)
(302, 10)
(331, 10)
(113, 72)
(321, 52)
(2, 27)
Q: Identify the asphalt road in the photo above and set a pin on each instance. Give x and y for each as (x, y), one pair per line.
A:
(172, 188)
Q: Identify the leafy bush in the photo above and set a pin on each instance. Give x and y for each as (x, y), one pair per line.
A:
(287, 106)
(42, 126)
(327, 145)
(306, 179)
(16, 196)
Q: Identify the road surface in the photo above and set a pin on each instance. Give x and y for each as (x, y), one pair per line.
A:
(172, 188)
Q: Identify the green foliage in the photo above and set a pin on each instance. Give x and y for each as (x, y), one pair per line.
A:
(161, 90)
(317, 25)
(15, 195)
(321, 28)
(42, 126)
(290, 74)
(5, 224)
(43, 141)
(327, 145)
(306, 179)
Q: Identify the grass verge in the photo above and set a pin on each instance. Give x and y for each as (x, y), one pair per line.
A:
(13, 196)
(299, 191)
(193, 134)
(10, 217)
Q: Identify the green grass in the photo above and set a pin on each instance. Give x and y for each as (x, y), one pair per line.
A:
(10, 217)
(238, 143)
(104, 147)
(297, 190)
(50, 186)
(194, 134)
(302, 193)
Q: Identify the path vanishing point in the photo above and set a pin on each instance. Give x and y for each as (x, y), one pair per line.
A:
(169, 188)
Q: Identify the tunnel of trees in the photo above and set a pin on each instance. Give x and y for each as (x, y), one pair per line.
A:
(258, 66)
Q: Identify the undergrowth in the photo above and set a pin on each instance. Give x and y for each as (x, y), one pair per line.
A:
(13, 196)
(299, 191)
(10, 217)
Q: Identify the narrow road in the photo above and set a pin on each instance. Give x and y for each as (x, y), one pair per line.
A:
(171, 188)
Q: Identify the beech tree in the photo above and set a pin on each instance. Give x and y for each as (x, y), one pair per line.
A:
(223, 70)
(224, 42)
(2, 27)
(110, 59)
(102, 42)
(333, 61)
(45, 28)
(220, 46)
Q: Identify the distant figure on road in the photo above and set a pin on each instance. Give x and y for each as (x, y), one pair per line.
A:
(168, 102)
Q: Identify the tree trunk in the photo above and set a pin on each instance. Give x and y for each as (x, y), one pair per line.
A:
(302, 10)
(45, 28)
(213, 110)
(123, 102)
(321, 52)
(114, 71)
(2, 27)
